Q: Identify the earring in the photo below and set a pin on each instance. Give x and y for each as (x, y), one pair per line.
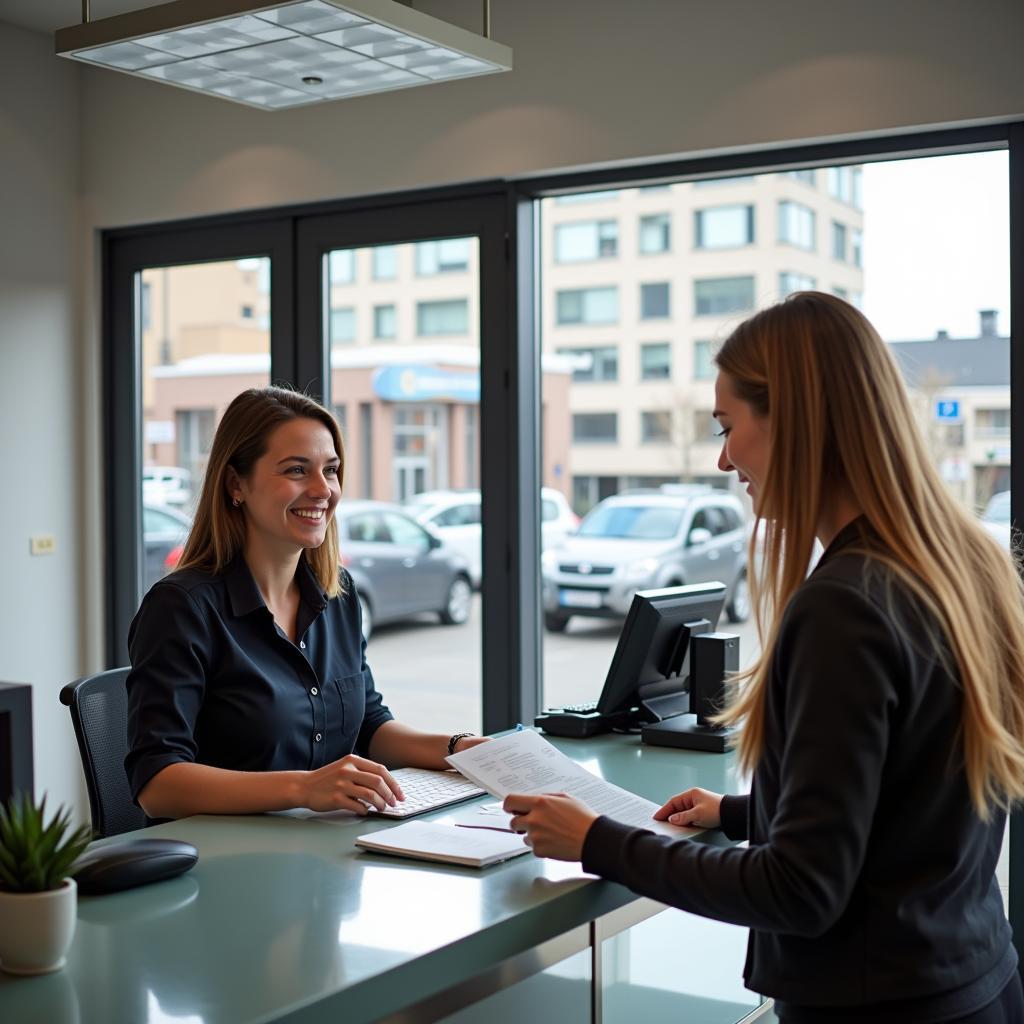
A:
(236, 502)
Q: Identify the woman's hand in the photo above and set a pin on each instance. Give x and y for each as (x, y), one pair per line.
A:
(555, 824)
(351, 783)
(470, 741)
(698, 808)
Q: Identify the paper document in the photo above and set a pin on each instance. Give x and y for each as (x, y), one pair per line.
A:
(525, 762)
(450, 844)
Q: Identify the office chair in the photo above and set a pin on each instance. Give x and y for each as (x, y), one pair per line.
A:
(99, 711)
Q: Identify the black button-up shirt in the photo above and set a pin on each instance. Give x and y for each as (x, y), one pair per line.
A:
(214, 680)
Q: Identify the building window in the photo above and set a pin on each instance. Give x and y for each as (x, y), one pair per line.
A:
(595, 427)
(385, 322)
(846, 185)
(719, 296)
(790, 281)
(385, 262)
(992, 422)
(343, 266)
(705, 427)
(739, 179)
(597, 364)
(660, 187)
(703, 364)
(655, 361)
(656, 233)
(587, 306)
(724, 227)
(343, 324)
(838, 241)
(247, 312)
(656, 427)
(446, 256)
(587, 240)
(857, 247)
(450, 316)
(840, 293)
(194, 437)
(588, 197)
(341, 415)
(796, 224)
(655, 301)
(807, 176)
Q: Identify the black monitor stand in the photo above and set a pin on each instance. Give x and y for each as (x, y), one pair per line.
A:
(712, 657)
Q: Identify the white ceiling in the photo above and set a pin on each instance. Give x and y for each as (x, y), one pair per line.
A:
(50, 15)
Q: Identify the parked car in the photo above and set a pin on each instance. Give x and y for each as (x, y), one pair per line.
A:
(164, 531)
(166, 485)
(455, 517)
(645, 540)
(399, 567)
(996, 517)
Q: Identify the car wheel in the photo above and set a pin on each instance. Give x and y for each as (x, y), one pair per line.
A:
(366, 614)
(456, 606)
(555, 623)
(738, 608)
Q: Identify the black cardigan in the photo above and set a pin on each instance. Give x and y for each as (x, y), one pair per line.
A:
(869, 879)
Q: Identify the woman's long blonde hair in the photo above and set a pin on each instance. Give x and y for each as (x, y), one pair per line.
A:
(839, 416)
(218, 530)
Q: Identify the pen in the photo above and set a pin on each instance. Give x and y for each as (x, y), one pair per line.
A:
(488, 828)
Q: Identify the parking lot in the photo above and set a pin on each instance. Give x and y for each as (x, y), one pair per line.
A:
(430, 674)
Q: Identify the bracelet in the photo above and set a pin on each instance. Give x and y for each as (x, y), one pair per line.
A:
(455, 739)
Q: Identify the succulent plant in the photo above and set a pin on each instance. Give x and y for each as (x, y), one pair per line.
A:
(36, 856)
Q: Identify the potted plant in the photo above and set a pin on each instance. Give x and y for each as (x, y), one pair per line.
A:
(37, 898)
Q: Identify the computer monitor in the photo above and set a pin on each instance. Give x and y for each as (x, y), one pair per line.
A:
(651, 665)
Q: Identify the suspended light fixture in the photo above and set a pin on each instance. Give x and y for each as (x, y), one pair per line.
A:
(288, 54)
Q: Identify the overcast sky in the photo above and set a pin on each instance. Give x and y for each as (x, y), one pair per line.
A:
(936, 244)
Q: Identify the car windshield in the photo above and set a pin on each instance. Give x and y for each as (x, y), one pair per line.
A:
(632, 522)
(998, 508)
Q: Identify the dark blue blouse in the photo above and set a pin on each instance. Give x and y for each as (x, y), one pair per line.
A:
(214, 680)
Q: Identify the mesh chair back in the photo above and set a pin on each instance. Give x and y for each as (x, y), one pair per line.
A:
(99, 711)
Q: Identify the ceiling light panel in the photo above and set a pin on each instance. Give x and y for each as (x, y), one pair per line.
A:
(286, 55)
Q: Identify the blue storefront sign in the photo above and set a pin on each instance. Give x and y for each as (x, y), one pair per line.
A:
(947, 409)
(412, 383)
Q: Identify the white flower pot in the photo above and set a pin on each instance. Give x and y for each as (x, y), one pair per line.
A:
(36, 929)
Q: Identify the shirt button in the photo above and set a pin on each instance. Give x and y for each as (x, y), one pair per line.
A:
(302, 644)
(318, 737)
(314, 691)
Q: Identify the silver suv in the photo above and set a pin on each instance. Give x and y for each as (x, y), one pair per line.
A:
(642, 540)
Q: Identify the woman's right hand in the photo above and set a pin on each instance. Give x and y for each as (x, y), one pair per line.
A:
(697, 808)
(351, 783)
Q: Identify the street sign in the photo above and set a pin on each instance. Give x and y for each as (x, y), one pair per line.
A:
(947, 410)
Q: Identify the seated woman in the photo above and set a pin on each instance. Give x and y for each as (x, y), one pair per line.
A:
(249, 689)
(883, 721)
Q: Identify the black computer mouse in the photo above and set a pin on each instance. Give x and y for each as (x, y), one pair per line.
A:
(131, 862)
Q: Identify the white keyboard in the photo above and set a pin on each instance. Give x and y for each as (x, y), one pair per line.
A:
(427, 790)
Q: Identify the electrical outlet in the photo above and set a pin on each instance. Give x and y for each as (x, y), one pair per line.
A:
(43, 544)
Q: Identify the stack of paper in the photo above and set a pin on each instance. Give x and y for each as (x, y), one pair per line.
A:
(525, 762)
(452, 844)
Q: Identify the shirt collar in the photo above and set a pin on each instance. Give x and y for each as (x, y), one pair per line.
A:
(245, 596)
(857, 530)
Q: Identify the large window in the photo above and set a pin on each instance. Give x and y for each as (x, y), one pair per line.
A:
(790, 281)
(442, 316)
(450, 255)
(655, 233)
(595, 427)
(655, 301)
(655, 360)
(723, 227)
(599, 363)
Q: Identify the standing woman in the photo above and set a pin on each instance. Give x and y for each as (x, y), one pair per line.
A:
(883, 721)
(249, 689)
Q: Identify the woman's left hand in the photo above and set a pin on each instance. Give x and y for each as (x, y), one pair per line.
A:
(555, 824)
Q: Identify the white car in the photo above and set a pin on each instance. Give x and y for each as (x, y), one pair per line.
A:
(455, 517)
(166, 485)
(996, 517)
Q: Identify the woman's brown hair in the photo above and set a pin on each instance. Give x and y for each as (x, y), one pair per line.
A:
(839, 416)
(218, 530)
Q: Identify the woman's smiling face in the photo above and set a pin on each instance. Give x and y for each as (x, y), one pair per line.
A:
(289, 497)
(746, 437)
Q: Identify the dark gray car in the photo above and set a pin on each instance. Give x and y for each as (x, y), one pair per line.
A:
(400, 568)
